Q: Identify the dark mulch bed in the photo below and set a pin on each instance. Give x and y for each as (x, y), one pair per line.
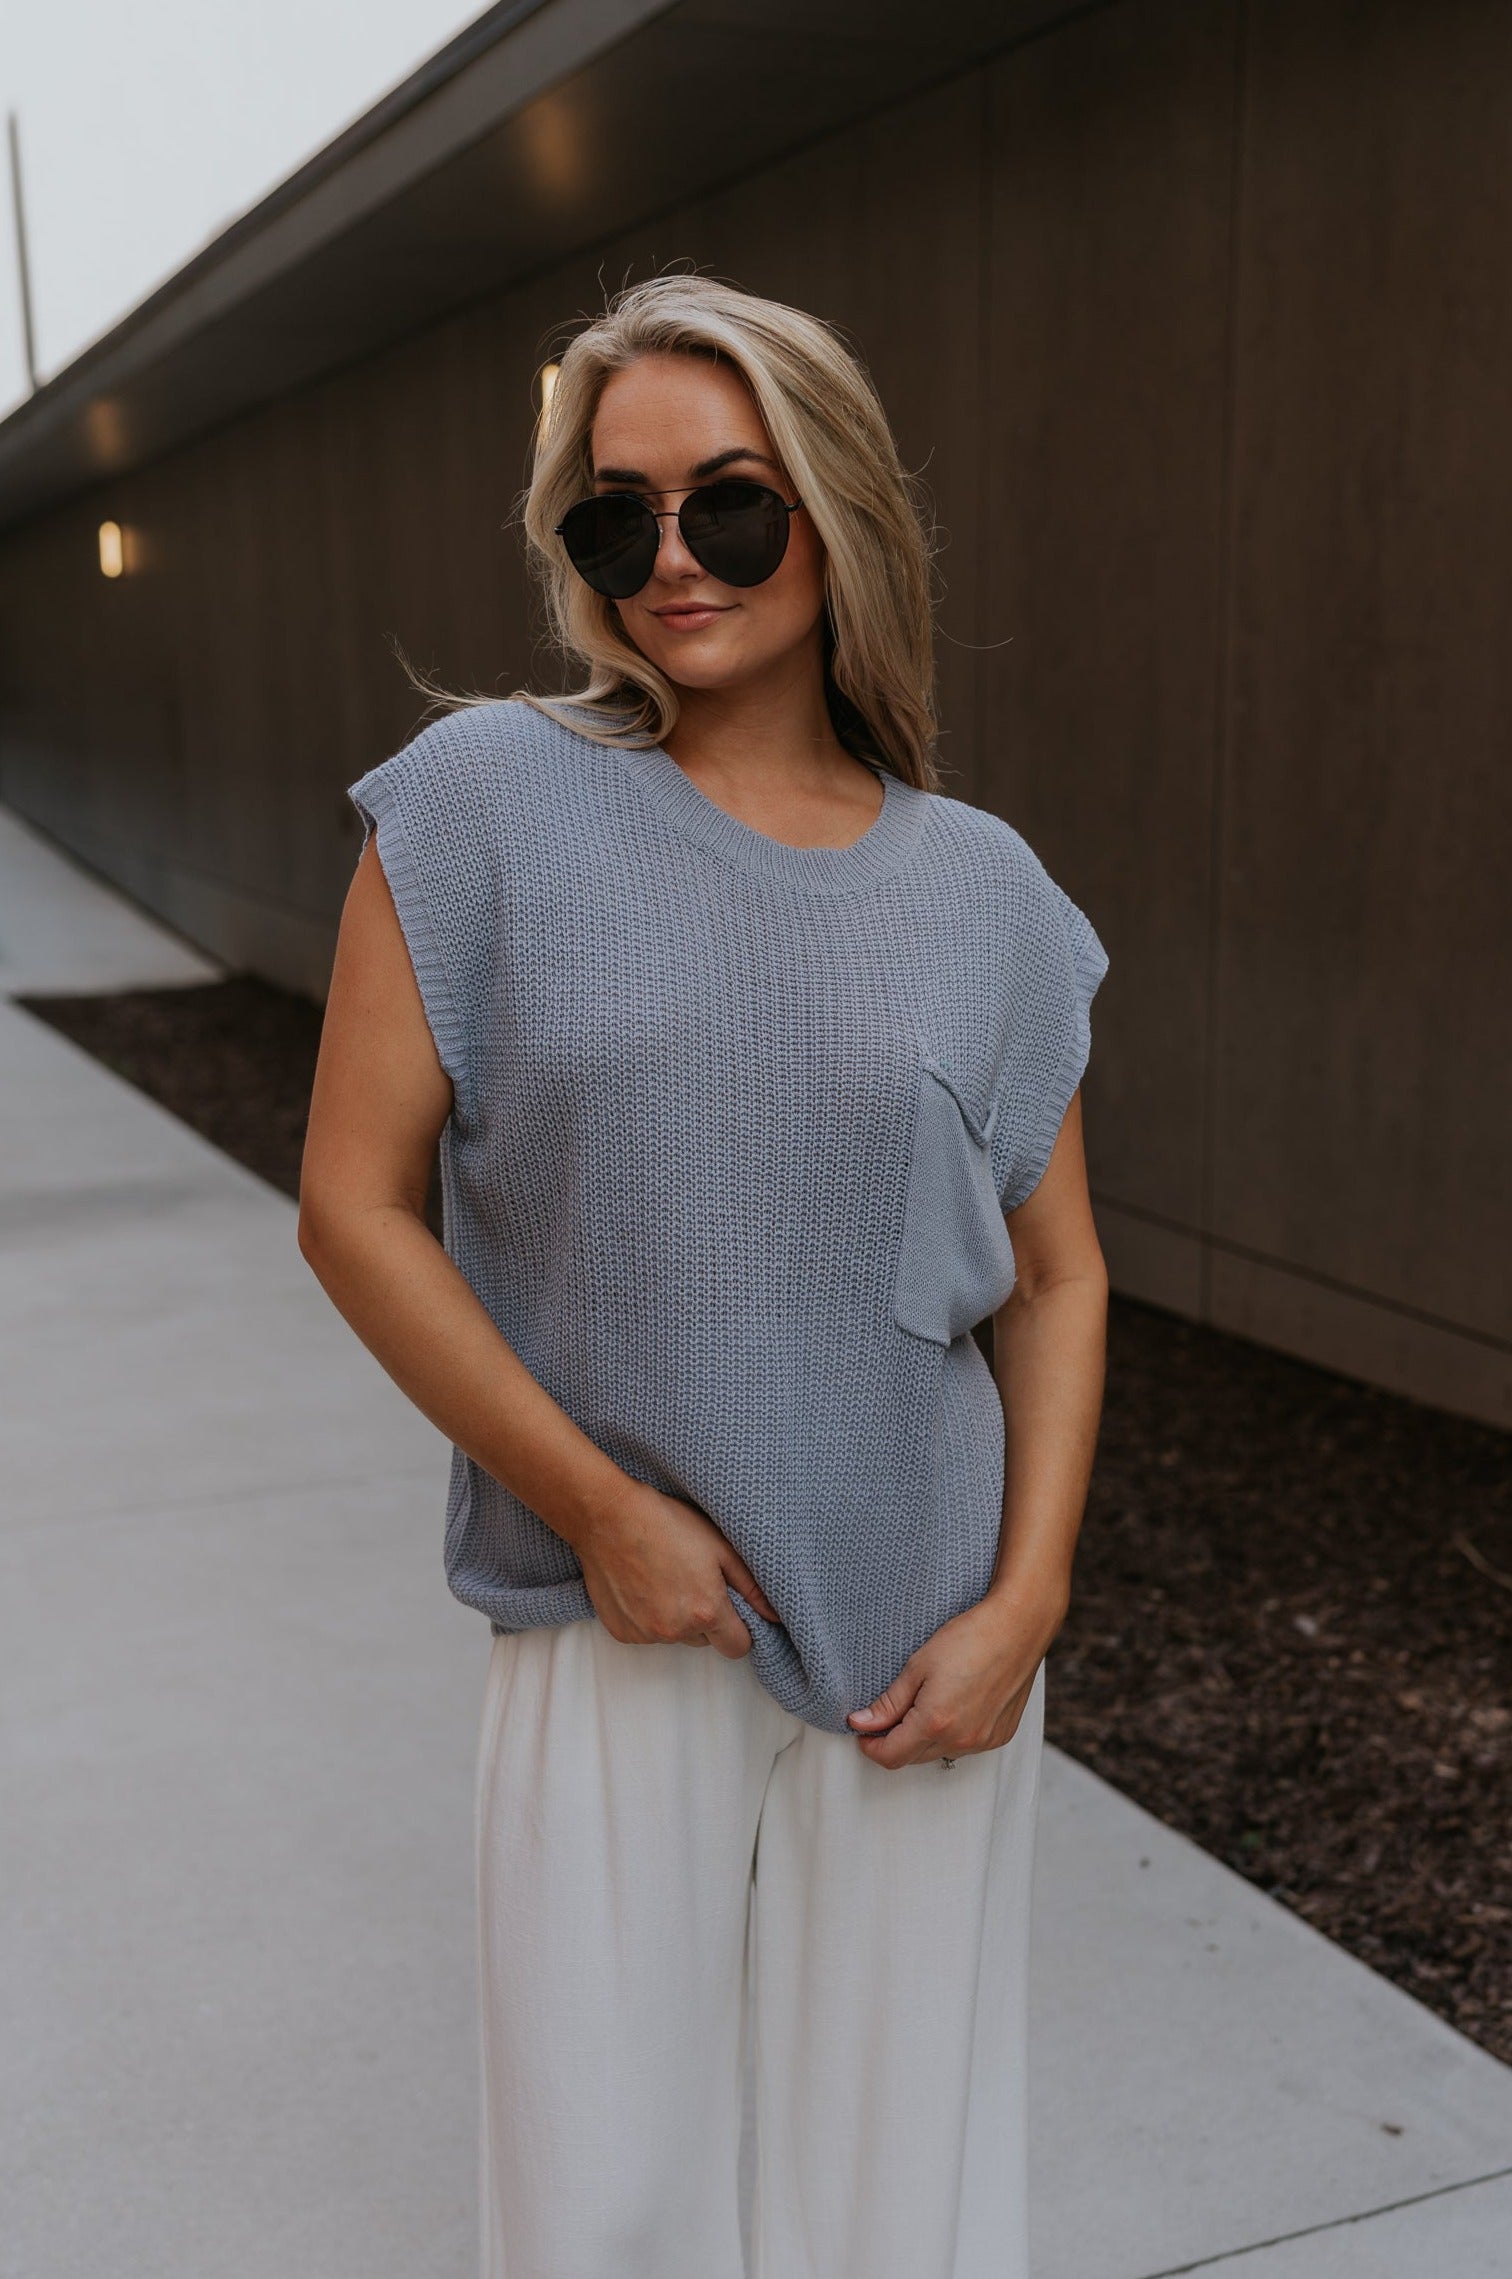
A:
(1291, 1636)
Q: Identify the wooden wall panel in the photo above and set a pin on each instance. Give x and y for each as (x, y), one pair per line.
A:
(1363, 1080)
(1111, 166)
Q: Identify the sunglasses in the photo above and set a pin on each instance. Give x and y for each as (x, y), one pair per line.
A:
(737, 531)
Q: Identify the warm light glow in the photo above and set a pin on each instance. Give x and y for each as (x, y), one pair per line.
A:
(112, 549)
(560, 148)
(105, 433)
(548, 389)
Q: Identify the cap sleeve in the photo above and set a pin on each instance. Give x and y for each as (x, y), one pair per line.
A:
(424, 808)
(1054, 968)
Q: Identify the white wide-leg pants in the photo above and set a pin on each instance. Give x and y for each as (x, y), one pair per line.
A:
(752, 2007)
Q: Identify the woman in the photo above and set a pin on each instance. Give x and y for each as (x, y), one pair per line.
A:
(754, 1063)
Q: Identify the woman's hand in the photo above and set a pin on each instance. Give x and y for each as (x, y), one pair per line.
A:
(657, 1572)
(966, 1687)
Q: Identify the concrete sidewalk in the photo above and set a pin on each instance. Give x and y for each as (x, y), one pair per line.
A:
(239, 1720)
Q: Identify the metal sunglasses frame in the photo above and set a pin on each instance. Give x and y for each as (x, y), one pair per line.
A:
(659, 515)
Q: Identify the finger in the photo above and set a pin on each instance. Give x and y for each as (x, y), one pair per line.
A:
(892, 1702)
(729, 1634)
(908, 1743)
(738, 1573)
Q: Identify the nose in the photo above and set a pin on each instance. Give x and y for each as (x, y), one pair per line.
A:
(672, 557)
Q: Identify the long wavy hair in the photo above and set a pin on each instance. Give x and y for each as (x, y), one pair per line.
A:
(831, 434)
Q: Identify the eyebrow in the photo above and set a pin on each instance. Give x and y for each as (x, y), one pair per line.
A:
(705, 467)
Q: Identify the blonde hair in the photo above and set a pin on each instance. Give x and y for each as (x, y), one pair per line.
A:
(831, 434)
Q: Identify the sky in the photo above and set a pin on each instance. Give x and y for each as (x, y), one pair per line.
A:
(147, 125)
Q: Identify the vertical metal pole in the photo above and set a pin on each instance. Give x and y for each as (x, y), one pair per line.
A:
(23, 260)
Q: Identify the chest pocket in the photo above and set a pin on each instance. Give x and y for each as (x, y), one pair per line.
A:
(955, 1263)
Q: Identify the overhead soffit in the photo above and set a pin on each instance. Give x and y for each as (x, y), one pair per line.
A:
(548, 126)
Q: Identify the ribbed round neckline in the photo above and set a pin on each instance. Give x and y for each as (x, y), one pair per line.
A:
(877, 852)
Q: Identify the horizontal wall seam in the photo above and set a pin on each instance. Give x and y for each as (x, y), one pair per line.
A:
(1283, 1265)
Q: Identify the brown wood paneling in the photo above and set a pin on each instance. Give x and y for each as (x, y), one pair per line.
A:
(920, 268)
(1111, 162)
(1362, 1104)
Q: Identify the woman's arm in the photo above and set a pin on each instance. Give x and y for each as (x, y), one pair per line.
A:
(1049, 1345)
(655, 1568)
(966, 1687)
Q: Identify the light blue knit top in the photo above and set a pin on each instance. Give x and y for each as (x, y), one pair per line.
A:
(734, 1128)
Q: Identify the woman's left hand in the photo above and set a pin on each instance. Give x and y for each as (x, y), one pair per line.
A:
(965, 1688)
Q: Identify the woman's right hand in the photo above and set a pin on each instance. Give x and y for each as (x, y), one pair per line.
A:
(657, 1571)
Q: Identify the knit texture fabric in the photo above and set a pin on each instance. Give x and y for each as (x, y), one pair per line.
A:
(735, 1127)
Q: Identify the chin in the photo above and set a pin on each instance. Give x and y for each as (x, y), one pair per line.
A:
(696, 662)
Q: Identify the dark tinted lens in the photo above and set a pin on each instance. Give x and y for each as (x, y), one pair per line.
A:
(739, 531)
(611, 542)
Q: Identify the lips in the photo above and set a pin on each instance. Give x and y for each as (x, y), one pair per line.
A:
(692, 614)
